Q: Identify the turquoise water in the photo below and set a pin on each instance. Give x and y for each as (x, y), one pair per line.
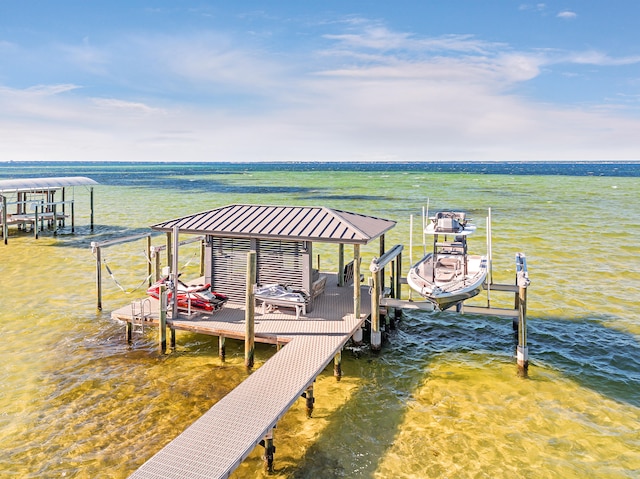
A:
(443, 399)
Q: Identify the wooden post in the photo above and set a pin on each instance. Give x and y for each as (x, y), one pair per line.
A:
(98, 275)
(91, 205)
(35, 223)
(337, 365)
(250, 307)
(522, 351)
(169, 252)
(129, 331)
(5, 226)
(149, 265)
(203, 248)
(357, 336)
(340, 264)
(73, 217)
(55, 220)
(308, 395)
(376, 334)
(398, 287)
(522, 280)
(221, 348)
(162, 332)
(174, 272)
(269, 451)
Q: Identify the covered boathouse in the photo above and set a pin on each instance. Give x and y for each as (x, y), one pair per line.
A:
(282, 238)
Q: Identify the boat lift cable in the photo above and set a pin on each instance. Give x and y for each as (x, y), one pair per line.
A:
(117, 283)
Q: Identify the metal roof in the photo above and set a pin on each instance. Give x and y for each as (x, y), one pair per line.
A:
(34, 184)
(307, 223)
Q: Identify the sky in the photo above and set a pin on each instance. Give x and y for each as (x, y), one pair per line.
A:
(331, 80)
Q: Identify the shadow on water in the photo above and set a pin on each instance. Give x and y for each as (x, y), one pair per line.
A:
(365, 428)
(587, 351)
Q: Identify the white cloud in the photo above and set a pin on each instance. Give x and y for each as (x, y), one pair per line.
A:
(566, 14)
(371, 93)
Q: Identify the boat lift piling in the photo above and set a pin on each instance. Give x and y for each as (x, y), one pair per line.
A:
(378, 289)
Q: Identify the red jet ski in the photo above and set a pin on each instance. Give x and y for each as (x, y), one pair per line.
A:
(191, 297)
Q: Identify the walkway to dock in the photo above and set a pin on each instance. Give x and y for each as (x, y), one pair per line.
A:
(216, 443)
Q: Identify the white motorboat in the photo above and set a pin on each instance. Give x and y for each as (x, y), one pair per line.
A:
(449, 275)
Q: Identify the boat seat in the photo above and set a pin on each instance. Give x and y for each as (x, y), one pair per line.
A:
(447, 269)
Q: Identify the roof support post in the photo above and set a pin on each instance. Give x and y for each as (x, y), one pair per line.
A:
(357, 337)
(174, 274)
(341, 264)
(250, 310)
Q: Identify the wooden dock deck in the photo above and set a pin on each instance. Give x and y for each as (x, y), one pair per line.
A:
(217, 442)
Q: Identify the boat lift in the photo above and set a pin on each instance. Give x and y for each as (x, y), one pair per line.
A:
(387, 298)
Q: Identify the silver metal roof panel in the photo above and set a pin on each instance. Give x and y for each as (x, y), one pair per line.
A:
(34, 184)
(282, 222)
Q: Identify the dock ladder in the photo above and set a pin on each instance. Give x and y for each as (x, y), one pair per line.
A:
(139, 314)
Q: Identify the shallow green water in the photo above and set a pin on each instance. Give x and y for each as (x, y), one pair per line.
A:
(443, 398)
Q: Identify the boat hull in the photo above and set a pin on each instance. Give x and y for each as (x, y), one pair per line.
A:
(446, 286)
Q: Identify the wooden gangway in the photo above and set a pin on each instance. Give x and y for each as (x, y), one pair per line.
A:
(217, 442)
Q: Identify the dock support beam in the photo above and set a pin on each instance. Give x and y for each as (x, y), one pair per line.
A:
(250, 310)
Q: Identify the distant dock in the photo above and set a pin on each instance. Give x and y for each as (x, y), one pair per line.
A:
(31, 203)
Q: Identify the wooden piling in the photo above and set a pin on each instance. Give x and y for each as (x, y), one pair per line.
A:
(162, 330)
(310, 400)
(337, 366)
(522, 281)
(269, 451)
(5, 226)
(91, 205)
(250, 307)
(376, 334)
(221, 348)
(98, 276)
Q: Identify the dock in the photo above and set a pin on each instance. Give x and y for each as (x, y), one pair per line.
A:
(216, 443)
(244, 247)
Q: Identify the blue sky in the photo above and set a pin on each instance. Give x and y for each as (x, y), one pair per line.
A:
(319, 81)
